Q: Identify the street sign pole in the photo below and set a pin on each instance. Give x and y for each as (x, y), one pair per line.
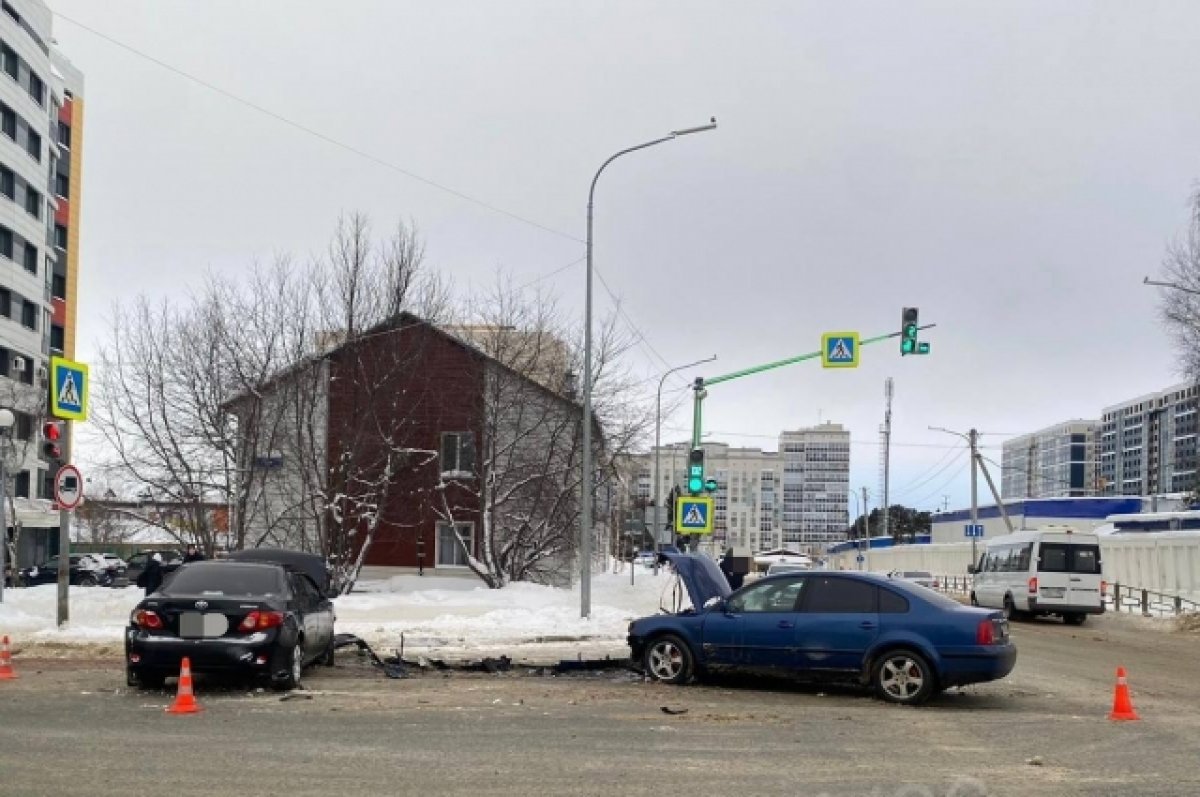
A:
(64, 542)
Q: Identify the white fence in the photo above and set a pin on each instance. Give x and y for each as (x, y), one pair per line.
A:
(1167, 562)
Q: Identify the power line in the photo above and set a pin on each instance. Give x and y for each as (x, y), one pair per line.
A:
(931, 477)
(956, 474)
(315, 133)
(949, 451)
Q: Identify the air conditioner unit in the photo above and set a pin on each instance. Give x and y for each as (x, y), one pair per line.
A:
(18, 365)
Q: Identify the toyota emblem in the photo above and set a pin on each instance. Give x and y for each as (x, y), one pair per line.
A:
(202, 605)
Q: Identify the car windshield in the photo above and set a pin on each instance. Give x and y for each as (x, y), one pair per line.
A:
(224, 579)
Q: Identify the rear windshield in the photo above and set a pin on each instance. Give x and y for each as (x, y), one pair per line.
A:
(917, 574)
(1058, 557)
(224, 580)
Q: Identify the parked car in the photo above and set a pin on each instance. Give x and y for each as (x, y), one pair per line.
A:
(1033, 573)
(85, 571)
(263, 619)
(787, 567)
(922, 577)
(137, 563)
(905, 641)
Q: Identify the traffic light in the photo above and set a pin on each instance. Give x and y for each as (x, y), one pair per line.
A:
(695, 482)
(908, 331)
(51, 445)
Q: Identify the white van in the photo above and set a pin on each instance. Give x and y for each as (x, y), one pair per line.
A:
(1041, 572)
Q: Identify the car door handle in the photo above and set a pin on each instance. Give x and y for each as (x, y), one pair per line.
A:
(786, 624)
(866, 625)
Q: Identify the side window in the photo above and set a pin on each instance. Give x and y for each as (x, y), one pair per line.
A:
(1023, 554)
(891, 603)
(305, 594)
(769, 596)
(1053, 558)
(458, 452)
(840, 596)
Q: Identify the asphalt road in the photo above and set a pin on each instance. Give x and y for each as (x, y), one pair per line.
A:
(70, 726)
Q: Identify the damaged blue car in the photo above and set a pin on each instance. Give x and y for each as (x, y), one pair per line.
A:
(904, 641)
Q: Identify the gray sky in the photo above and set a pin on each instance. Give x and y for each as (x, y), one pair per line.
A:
(1013, 169)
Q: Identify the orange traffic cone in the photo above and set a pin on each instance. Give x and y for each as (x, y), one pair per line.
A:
(1122, 705)
(185, 700)
(6, 670)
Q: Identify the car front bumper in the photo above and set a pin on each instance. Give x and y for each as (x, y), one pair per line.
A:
(990, 664)
(253, 653)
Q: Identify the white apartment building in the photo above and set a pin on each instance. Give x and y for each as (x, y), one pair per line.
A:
(1148, 444)
(1055, 462)
(796, 497)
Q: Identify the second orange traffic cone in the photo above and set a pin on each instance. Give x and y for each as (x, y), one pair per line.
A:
(1122, 705)
(185, 699)
(6, 668)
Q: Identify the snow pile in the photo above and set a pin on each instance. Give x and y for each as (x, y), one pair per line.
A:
(432, 614)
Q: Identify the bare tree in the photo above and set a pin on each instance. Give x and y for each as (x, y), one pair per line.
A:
(1181, 308)
(528, 483)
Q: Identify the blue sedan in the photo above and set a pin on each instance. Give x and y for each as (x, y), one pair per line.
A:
(905, 641)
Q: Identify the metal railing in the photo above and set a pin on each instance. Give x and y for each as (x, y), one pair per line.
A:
(1117, 598)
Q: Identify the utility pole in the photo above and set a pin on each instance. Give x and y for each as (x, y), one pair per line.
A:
(887, 455)
(864, 565)
(973, 439)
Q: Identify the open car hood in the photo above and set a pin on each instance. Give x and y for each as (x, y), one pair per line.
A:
(700, 576)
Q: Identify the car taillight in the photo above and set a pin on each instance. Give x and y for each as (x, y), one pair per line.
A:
(261, 621)
(1033, 586)
(935, 584)
(147, 619)
(985, 633)
(1103, 588)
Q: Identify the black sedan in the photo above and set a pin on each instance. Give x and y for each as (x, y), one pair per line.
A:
(85, 571)
(261, 619)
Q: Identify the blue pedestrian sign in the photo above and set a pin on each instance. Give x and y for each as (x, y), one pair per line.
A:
(973, 530)
(694, 515)
(68, 389)
(860, 559)
(839, 350)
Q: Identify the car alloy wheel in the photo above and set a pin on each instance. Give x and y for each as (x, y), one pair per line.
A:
(297, 663)
(903, 677)
(668, 659)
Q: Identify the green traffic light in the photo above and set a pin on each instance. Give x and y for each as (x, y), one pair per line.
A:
(906, 346)
(923, 348)
(910, 331)
(695, 485)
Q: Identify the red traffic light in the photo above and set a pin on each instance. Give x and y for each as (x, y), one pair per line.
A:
(51, 431)
(51, 434)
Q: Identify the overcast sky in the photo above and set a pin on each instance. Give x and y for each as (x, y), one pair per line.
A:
(1013, 169)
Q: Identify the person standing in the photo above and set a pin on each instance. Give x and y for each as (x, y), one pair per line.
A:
(151, 578)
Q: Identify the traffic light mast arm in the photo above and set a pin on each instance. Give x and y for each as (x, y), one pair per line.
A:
(698, 387)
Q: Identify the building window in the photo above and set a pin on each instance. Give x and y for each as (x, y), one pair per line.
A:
(58, 287)
(64, 134)
(23, 430)
(56, 338)
(8, 122)
(62, 185)
(45, 484)
(8, 183)
(31, 258)
(12, 63)
(21, 484)
(453, 542)
(33, 203)
(37, 89)
(458, 452)
(33, 145)
(60, 236)
(6, 243)
(5, 302)
(29, 314)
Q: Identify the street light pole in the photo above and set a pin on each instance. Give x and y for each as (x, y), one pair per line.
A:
(657, 444)
(585, 519)
(7, 419)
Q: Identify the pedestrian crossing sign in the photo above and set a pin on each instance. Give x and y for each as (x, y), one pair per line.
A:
(68, 389)
(839, 350)
(694, 515)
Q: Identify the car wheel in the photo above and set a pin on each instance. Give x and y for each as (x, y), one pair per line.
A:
(1075, 618)
(294, 664)
(144, 679)
(902, 676)
(669, 660)
(88, 581)
(1010, 609)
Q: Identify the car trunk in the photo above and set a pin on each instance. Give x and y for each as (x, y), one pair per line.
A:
(205, 616)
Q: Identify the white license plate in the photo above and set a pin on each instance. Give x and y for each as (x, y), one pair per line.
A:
(196, 625)
(1053, 592)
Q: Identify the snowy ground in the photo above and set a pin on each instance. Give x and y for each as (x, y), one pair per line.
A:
(439, 617)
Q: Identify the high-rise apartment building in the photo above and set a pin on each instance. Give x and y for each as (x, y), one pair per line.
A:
(1058, 461)
(815, 486)
(1148, 444)
(41, 139)
(795, 497)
